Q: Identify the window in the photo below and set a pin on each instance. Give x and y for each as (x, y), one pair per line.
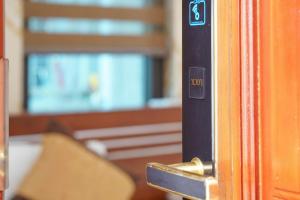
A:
(108, 59)
(104, 3)
(81, 26)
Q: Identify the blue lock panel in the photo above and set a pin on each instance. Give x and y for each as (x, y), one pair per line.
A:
(197, 13)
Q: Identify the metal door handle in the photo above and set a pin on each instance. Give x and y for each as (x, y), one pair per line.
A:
(192, 180)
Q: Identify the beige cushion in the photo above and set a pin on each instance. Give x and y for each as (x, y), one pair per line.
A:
(68, 171)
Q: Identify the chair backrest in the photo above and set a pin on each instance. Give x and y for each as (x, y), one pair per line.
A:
(66, 170)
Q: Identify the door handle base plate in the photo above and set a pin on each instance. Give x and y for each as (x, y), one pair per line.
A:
(177, 181)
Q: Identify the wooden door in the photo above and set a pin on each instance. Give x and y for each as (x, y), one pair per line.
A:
(270, 89)
(211, 55)
(259, 99)
(279, 98)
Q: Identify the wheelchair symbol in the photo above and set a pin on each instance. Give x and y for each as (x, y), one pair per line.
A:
(197, 12)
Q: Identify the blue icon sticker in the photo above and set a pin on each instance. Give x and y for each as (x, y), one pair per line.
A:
(197, 10)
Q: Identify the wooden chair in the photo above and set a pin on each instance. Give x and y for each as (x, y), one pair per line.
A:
(66, 170)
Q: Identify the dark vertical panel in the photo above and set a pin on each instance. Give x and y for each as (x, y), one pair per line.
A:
(154, 78)
(25, 85)
(197, 112)
(157, 78)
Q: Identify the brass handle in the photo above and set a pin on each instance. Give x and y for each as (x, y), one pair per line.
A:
(192, 180)
(196, 166)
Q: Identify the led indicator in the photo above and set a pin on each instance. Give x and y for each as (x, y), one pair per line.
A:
(197, 13)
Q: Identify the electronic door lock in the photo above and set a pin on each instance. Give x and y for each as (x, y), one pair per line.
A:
(192, 180)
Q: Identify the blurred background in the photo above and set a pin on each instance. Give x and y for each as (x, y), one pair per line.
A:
(98, 79)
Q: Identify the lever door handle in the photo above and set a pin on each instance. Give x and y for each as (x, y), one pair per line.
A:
(192, 180)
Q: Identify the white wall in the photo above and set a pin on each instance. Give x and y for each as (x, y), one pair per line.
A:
(174, 65)
(14, 52)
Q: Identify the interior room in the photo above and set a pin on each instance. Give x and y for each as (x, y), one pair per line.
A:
(149, 99)
(98, 77)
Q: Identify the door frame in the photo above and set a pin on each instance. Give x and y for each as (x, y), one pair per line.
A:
(238, 96)
(249, 98)
(228, 99)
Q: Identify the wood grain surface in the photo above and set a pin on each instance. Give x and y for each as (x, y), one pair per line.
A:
(228, 140)
(279, 62)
